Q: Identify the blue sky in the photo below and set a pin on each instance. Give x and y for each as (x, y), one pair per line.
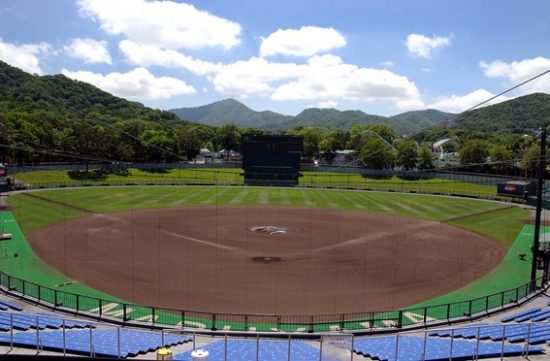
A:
(382, 57)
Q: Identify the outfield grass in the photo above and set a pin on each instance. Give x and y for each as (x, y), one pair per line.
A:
(34, 213)
(234, 176)
(502, 223)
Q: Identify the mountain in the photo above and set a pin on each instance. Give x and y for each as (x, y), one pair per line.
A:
(512, 116)
(230, 110)
(520, 115)
(67, 99)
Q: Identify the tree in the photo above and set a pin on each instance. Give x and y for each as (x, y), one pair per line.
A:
(501, 158)
(530, 160)
(359, 134)
(189, 142)
(407, 154)
(330, 143)
(312, 137)
(377, 154)
(473, 152)
(425, 158)
(229, 137)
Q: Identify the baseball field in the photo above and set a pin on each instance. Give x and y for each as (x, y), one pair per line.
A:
(211, 248)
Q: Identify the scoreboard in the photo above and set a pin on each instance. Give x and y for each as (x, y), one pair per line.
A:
(271, 159)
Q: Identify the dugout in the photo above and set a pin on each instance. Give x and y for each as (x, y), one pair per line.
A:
(5, 183)
(271, 159)
(517, 189)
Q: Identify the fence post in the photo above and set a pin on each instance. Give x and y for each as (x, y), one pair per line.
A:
(311, 324)
(153, 316)
(517, 294)
(55, 303)
(425, 315)
(470, 308)
(100, 307)
(182, 319)
(124, 312)
(39, 293)
(486, 303)
(288, 351)
(502, 298)
(77, 302)
(245, 323)
(397, 348)
(118, 341)
(448, 311)
(400, 319)
(64, 339)
(342, 321)
(213, 328)
(11, 331)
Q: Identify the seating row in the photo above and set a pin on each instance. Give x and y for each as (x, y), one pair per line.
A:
(99, 343)
(411, 348)
(248, 350)
(26, 320)
(534, 333)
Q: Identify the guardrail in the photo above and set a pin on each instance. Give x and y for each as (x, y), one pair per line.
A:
(112, 310)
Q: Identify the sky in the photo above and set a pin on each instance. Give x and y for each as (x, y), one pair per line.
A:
(380, 56)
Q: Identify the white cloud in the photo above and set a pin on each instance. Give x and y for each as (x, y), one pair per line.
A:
(92, 51)
(326, 104)
(457, 104)
(164, 24)
(387, 63)
(519, 71)
(135, 84)
(422, 45)
(147, 55)
(253, 76)
(306, 41)
(24, 56)
(323, 78)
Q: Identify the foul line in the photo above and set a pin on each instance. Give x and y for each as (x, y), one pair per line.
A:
(459, 218)
(70, 206)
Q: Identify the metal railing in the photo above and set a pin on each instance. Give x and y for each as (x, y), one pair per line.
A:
(118, 311)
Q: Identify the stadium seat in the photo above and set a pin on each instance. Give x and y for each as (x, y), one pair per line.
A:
(10, 305)
(411, 348)
(520, 314)
(246, 350)
(104, 342)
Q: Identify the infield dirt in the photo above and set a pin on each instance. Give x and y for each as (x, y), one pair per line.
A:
(210, 258)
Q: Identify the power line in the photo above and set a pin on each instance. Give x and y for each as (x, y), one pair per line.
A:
(506, 91)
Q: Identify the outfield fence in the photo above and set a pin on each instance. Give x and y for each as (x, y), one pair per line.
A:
(111, 310)
(201, 177)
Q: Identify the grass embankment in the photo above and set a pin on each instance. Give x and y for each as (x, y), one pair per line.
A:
(233, 176)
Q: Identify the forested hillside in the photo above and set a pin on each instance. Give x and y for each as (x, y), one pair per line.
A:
(230, 110)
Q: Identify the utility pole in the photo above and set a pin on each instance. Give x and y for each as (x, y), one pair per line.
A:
(536, 242)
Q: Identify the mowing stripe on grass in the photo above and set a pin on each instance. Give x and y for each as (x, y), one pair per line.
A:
(465, 216)
(239, 197)
(66, 205)
(191, 193)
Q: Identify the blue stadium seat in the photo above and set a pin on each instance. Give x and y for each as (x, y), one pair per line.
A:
(104, 342)
(10, 305)
(410, 348)
(520, 314)
(246, 350)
